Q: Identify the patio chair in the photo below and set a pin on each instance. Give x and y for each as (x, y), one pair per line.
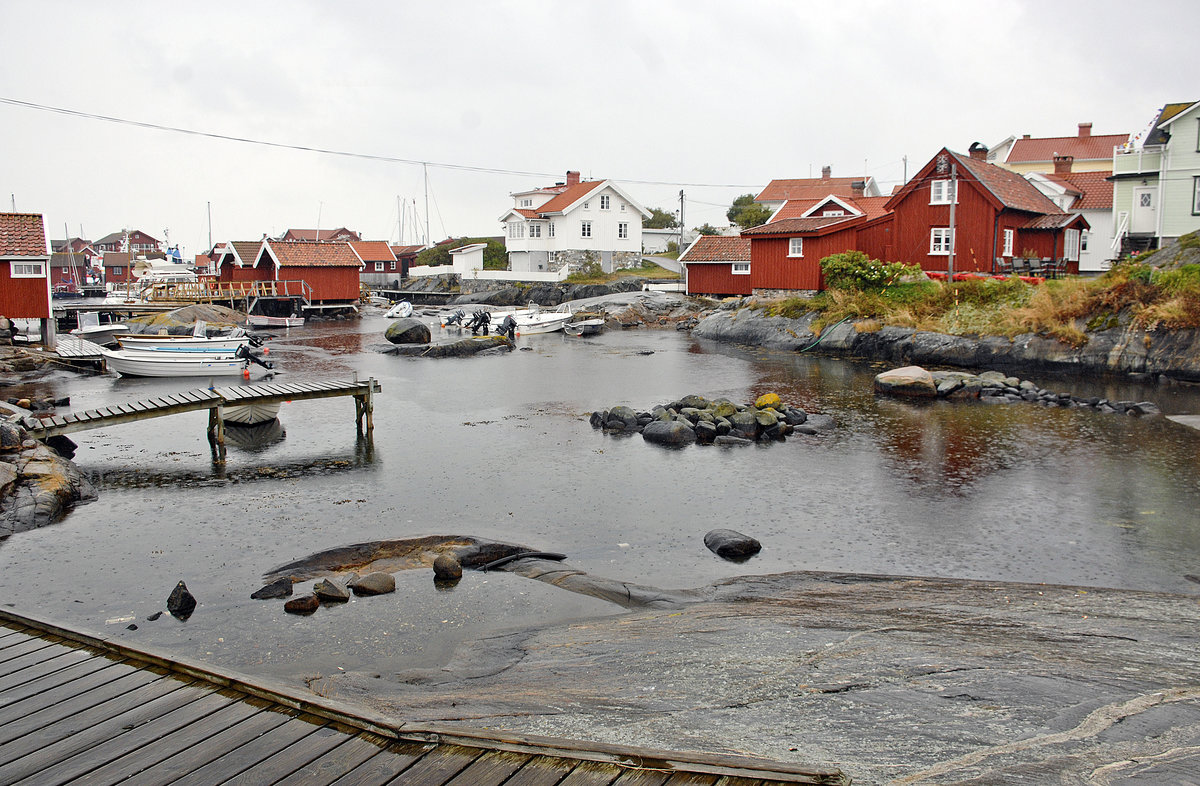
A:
(1035, 266)
(1004, 266)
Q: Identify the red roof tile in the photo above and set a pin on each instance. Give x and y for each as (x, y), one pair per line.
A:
(247, 250)
(373, 250)
(1011, 189)
(1096, 188)
(717, 248)
(1083, 148)
(798, 226)
(23, 235)
(871, 207)
(310, 253)
(116, 258)
(569, 196)
(404, 251)
(808, 188)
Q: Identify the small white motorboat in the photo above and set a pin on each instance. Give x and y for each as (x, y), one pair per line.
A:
(135, 363)
(533, 320)
(183, 344)
(261, 320)
(252, 413)
(584, 327)
(91, 330)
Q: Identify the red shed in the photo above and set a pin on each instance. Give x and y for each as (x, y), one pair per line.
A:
(785, 255)
(24, 270)
(716, 265)
(118, 267)
(243, 260)
(330, 268)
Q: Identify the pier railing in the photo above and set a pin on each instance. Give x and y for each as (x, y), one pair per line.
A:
(216, 291)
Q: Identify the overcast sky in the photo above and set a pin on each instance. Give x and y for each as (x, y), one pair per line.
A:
(714, 98)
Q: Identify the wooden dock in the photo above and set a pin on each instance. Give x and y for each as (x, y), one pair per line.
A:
(214, 400)
(77, 707)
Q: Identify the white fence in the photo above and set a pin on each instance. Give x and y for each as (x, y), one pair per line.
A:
(475, 274)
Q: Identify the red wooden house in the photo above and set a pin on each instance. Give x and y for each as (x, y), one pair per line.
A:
(716, 265)
(134, 241)
(329, 269)
(243, 260)
(998, 215)
(118, 267)
(341, 233)
(24, 270)
(406, 256)
(68, 272)
(380, 268)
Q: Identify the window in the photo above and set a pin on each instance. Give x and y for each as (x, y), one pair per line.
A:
(586, 205)
(939, 241)
(550, 232)
(516, 229)
(1071, 245)
(1008, 243)
(378, 267)
(526, 203)
(116, 270)
(28, 270)
(604, 201)
(833, 212)
(1083, 240)
(585, 228)
(741, 268)
(623, 230)
(622, 205)
(1145, 199)
(535, 230)
(1196, 196)
(941, 192)
(796, 247)
(392, 264)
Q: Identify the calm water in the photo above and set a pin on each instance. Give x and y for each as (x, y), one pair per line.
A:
(499, 447)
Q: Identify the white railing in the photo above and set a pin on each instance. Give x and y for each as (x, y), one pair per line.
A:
(425, 271)
(1122, 228)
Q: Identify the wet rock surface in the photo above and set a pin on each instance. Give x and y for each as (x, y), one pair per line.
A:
(408, 331)
(465, 347)
(37, 485)
(891, 679)
(695, 418)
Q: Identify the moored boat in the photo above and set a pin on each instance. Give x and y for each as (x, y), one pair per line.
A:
(249, 414)
(261, 320)
(584, 327)
(164, 343)
(136, 363)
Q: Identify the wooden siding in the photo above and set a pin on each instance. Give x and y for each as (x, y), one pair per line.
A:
(716, 278)
(234, 274)
(772, 268)
(23, 298)
(875, 239)
(328, 283)
(975, 225)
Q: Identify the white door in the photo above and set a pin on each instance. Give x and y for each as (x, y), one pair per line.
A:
(1144, 220)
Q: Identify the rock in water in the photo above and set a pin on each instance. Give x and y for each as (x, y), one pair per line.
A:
(408, 331)
(331, 591)
(730, 544)
(378, 583)
(669, 432)
(907, 381)
(305, 604)
(279, 588)
(181, 604)
(447, 568)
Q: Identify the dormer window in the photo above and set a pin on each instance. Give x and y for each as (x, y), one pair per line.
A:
(833, 213)
(526, 203)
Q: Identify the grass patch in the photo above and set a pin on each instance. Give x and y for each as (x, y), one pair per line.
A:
(592, 273)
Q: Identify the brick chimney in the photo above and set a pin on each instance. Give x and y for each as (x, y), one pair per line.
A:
(826, 172)
(572, 178)
(1085, 130)
(978, 151)
(1062, 164)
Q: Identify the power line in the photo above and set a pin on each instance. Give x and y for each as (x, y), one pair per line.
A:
(328, 151)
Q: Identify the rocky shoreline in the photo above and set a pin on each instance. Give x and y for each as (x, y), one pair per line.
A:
(1162, 355)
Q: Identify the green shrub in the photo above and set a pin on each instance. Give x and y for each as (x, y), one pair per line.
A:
(855, 271)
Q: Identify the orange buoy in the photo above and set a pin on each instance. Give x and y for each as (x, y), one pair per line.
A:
(245, 373)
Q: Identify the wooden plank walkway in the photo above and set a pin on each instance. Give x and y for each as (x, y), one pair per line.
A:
(74, 348)
(78, 708)
(214, 400)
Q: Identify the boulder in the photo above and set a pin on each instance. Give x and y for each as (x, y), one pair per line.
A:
(624, 415)
(745, 423)
(675, 432)
(331, 591)
(731, 544)
(378, 583)
(11, 437)
(768, 401)
(705, 432)
(699, 402)
(723, 409)
(279, 588)
(305, 604)
(446, 567)
(908, 381)
(408, 331)
(731, 439)
(181, 603)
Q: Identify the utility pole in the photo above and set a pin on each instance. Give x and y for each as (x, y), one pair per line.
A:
(953, 202)
(210, 245)
(905, 160)
(681, 221)
(426, 168)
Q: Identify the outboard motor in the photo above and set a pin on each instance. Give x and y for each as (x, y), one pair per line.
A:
(480, 320)
(508, 327)
(244, 352)
(456, 318)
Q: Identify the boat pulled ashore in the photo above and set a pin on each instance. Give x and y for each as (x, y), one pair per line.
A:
(138, 363)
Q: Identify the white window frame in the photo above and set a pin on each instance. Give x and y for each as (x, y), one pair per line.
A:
(833, 213)
(1009, 235)
(585, 228)
(587, 205)
(378, 267)
(622, 204)
(795, 247)
(605, 202)
(1196, 195)
(740, 268)
(535, 230)
(550, 231)
(1083, 241)
(116, 270)
(34, 269)
(939, 241)
(526, 203)
(392, 264)
(942, 192)
(1071, 245)
(623, 230)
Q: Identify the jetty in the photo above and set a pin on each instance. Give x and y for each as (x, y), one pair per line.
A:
(215, 400)
(77, 706)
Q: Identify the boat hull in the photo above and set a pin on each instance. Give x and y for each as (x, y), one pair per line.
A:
(250, 414)
(141, 343)
(258, 320)
(152, 364)
(587, 327)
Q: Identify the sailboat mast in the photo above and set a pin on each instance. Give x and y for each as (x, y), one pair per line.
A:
(399, 222)
(426, 168)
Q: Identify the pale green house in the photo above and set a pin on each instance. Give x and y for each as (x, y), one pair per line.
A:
(1156, 180)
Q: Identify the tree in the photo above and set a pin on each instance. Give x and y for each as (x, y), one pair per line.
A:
(494, 256)
(746, 213)
(660, 219)
(708, 229)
